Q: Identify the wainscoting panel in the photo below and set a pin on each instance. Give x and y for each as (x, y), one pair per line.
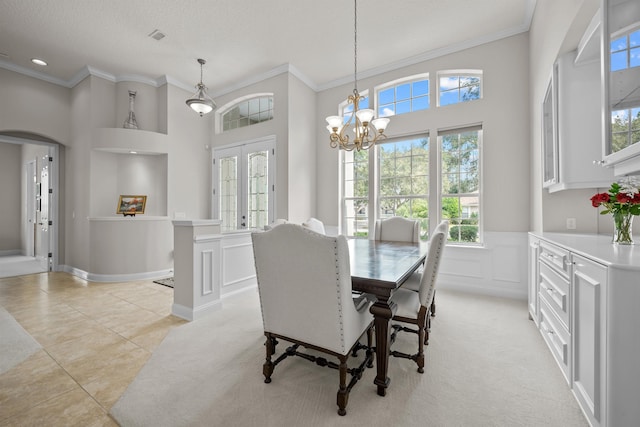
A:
(498, 268)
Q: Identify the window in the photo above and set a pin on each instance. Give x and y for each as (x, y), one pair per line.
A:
(405, 97)
(456, 87)
(404, 180)
(248, 112)
(355, 166)
(460, 183)
(625, 51)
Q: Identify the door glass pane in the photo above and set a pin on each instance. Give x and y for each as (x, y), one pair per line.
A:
(258, 179)
(228, 181)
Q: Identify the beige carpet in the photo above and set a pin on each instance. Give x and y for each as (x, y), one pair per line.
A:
(487, 365)
(16, 345)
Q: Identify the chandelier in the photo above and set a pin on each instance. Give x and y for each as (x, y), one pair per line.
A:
(359, 130)
(201, 102)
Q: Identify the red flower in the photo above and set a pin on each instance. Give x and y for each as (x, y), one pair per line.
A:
(623, 198)
(636, 199)
(599, 198)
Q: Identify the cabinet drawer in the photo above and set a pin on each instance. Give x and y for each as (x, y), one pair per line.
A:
(555, 257)
(556, 337)
(554, 288)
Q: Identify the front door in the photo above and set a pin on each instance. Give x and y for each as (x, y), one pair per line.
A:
(243, 185)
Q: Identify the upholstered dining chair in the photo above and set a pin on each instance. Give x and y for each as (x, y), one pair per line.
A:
(414, 307)
(397, 229)
(315, 225)
(276, 222)
(304, 283)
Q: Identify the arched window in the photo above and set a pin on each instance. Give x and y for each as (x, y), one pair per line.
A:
(457, 86)
(403, 96)
(247, 111)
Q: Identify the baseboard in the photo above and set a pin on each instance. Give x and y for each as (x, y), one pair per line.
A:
(482, 289)
(9, 252)
(195, 313)
(110, 278)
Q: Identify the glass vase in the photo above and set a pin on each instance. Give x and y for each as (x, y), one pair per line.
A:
(623, 228)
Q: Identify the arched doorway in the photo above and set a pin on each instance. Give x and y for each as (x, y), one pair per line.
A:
(29, 223)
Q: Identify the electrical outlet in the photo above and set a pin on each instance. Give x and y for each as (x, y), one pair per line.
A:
(571, 223)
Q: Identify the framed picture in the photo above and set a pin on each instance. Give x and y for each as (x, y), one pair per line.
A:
(131, 205)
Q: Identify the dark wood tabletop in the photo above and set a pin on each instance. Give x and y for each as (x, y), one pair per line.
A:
(381, 266)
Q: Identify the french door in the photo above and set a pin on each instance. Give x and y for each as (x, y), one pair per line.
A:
(244, 185)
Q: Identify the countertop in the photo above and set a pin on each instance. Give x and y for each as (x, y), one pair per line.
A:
(597, 247)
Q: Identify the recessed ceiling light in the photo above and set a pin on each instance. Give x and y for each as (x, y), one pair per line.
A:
(37, 61)
(133, 152)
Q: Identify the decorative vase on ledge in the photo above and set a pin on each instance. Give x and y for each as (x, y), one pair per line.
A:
(623, 228)
(131, 122)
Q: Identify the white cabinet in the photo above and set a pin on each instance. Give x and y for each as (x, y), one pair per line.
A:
(579, 130)
(590, 321)
(588, 291)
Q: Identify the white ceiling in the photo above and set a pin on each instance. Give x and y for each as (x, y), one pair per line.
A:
(243, 39)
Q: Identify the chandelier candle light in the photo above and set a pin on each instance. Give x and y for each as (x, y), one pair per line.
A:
(623, 203)
(366, 129)
(201, 102)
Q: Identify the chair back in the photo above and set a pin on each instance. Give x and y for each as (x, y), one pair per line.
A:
(304, 282)
(432, 263)
(397, 229)
(315, 225)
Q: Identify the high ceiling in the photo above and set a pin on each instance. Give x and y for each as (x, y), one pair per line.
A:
(243, 39)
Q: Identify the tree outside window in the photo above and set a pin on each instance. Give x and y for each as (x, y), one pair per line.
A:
(460, 184)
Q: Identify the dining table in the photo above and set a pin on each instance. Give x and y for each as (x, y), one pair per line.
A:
(379, 268)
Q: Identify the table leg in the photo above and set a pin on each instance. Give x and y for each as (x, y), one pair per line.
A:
(382, 312)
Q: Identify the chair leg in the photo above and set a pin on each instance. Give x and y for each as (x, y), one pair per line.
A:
(267, 368)
(420, 355)
(343, 393)
(433, 304)
(370, 345)
(427, 329)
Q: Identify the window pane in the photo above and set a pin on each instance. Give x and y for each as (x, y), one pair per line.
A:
(403, 181)
(448, 83)
(460, 180)
(619, 61)
(447, 98)
(254, 106)
(420, 88)
(403, 107)
(386, 96)
(387, 110)
(403, 92)
(634, 39)
(619, 44)
(634, 57)
(469, 93)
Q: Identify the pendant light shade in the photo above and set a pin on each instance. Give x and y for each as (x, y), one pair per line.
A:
(201, 102)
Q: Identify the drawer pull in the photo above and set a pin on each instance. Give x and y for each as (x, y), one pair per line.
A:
(548, 331)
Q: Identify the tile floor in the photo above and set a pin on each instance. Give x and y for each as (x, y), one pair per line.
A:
(95, 337)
